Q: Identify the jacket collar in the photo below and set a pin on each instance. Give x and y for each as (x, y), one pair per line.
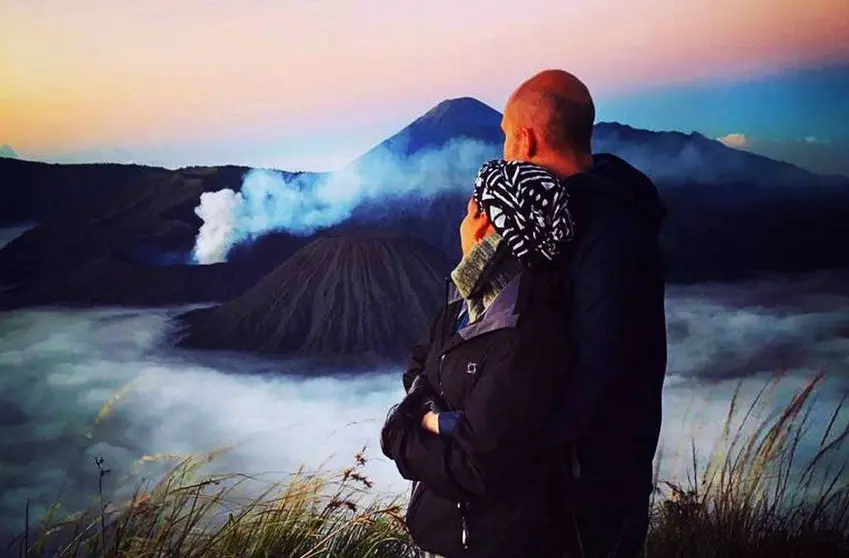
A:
(500, 314)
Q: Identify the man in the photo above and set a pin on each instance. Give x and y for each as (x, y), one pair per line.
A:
(611, 408)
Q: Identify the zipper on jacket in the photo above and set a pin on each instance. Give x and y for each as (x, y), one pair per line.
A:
(442, 356)
(413, 491)
(439, 375)
(464, 534)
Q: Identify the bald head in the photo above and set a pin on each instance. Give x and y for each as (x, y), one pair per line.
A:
(551, 115)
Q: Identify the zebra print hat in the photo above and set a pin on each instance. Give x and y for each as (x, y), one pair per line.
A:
(527, 206)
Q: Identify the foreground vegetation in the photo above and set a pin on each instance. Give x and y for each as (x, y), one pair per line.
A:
(753, 498)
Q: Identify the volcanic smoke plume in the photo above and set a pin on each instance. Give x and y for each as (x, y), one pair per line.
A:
(308, 203)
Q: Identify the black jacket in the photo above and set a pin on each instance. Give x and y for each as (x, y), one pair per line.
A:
(611, 406)
(505, 372)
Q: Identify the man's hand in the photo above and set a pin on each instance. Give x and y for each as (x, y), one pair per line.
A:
(430, 422)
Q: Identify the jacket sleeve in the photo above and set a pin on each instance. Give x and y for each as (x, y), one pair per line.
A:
(603, 288)
(502, 420)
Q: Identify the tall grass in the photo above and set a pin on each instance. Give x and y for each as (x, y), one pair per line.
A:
(188, 514)
(753, 498)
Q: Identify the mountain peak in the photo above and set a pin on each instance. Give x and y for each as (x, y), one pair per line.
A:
(451, 119)
(466, 111)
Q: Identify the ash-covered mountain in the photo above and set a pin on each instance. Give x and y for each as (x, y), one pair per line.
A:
(356, 296)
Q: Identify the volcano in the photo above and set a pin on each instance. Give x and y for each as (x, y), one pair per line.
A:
(451, 120)
(360, 296)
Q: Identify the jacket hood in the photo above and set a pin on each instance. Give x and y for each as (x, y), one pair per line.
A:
(619, 178)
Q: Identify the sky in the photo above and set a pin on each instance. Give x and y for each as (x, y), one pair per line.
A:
(311, 84)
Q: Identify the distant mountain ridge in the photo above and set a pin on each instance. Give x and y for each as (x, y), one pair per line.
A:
(106, 230)
(675, 157)
(666, 156)
(33, 191)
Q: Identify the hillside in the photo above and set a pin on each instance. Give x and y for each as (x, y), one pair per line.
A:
(110, 249)
(117, 282)
(33, 191)
(340, 296)
(675, 157)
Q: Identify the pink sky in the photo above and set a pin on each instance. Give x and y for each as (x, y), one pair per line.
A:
(324, 79)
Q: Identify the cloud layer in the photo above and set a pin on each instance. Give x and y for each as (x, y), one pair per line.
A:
(60, 367)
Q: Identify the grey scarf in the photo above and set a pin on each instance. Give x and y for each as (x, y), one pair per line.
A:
(479, 277)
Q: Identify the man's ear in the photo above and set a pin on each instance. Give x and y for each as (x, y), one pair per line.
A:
(532, 143)
(528, 144)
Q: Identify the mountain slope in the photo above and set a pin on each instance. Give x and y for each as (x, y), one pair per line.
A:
(450, 120)
(125, 242)
(668, 157)
(340, 296)
(677, 157)
(33, 191)
(91, 212)
(115, 282)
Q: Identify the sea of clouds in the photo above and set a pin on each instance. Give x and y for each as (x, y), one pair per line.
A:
(61, 366)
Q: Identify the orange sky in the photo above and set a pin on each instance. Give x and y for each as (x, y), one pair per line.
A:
(102, 74)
